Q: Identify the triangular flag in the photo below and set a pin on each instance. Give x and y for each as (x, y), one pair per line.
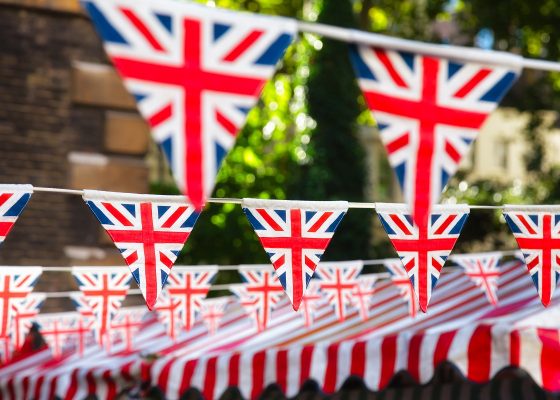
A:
(195, 73)
(126, 324)
(537, 232)
(16, 283)
(65, 332)
(429, 109)
(260, 293)
(168, 312)
(25, 313)
(13, 199)
(363, 293)
(295, 235)
(149, 231)
(188, 286)
(338, 281)
(82, 305)
(423, 251)
(212, 312)
(483, 270)
(400, 279)
(104, 288)
(310, 301)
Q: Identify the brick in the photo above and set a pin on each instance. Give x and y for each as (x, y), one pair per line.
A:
(66, 6)
(126, 133)
(99, 85)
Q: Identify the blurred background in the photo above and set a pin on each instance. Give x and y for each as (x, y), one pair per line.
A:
(66, 121)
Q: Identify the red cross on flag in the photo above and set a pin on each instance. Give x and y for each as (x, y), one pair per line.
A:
(188, 286)
(168, 311)
(25, 313)
(149, 231)
(126, 324)
(65, 332)
(483, 270)
(294, 234)
(537, 232)
(104, 288)
(363, 294)
(400, 279)
(195, 73)
(338, 281)
(429, 103)
(212, 311)
(310, 301)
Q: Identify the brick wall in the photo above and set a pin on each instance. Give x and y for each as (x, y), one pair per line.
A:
(65, 121)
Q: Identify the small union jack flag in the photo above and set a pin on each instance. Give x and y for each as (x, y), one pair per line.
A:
(400, 279)
(149, 231)
(260, 293)
(168, 311)
(16, 283)
(25, 313)
(188, 286)
(65, 332)
(310, 301)
(295, 234)
(126, 324)
(212, 311)
(104, 289)
(429, 111)
(13, 199)
(195, 72)
(482, 269)
(338, 281)
(423, 251)
(537, 231)
(363, 293)
(82, 305)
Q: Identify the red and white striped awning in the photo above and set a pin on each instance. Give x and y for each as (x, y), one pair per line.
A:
(461, 327)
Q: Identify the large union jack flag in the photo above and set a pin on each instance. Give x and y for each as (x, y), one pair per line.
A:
(13, 199)
(212, 311)
(104, 289)
(537, 231)
(168, 312)
(16, 283)
(195, 73)
(483, 270)
(338, 281)
(429, 111)
(423, 251)
(188, 286)
(295, 235)
(400, 279)
(260, 293)
(25, 313)
(149, 231)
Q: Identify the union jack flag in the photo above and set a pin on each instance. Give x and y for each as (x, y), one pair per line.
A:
(16, 283)
(310, 301)
(188, 286)
(149, 231)
(338, 281)
(423, 251)
(25, 313)
(537, 231)
(82, 305)
(168, 311)
(260, 293)
(65, 332)
(13, 199)
(363, 293)
(295, 235)
(195, 73)
(429, 111)
(482, 269)
(126, 324)
(104, 289)
(400, 279)
(212, 311)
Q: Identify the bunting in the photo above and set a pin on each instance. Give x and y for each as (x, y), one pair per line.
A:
(363, 293)
(25, 314)
(429, 110)
(400, 279)
(260, 293)
(537, 232)
(212, 311)
(423, 251)
(82, 305)
(149, 231)
(65, 332)
(168, 311)
(104, 288)
(188, 286)
(482, 269)
(13, 199)
(295, 235)
(195, 73)
(338, 281)
(126, 325)
(310, 301)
